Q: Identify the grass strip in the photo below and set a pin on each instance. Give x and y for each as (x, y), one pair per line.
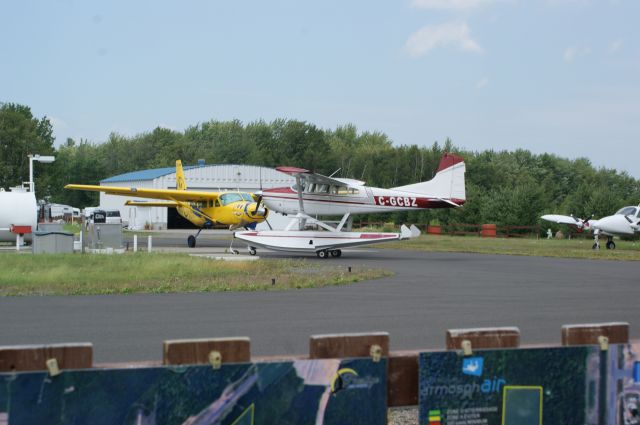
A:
(575, 248)
(74, 274)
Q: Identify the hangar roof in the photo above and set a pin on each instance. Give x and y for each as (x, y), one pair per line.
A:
(150, 174)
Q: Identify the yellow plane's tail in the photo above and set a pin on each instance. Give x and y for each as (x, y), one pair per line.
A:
(181, 184)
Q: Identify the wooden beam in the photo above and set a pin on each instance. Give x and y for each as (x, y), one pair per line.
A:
(347, 345)
(33, 357)
(402, 378)
(588, 333)
(484, 338)
(196, 351)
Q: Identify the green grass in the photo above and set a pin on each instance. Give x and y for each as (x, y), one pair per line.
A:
(75, 274)
(576, 248)
(72, 228)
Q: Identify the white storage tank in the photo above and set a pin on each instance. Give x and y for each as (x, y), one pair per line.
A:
(18, 208)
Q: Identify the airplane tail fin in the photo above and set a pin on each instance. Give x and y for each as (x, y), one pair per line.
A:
(448, 182)
(181, 183)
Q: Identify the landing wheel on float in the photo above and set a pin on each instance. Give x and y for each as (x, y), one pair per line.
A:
(336, 253)
(595, 246)
(252, 250)
(322, 254)
(191, 241)
(611, 245)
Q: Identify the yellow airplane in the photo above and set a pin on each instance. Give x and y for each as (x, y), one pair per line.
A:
(203, 209)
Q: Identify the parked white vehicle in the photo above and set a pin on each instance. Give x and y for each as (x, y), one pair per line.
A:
(113, 217)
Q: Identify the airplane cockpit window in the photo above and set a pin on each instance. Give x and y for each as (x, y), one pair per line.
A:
(228, 198)
(627, 211)
(247, 197)
(295, 186)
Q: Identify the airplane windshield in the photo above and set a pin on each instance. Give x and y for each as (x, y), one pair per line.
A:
(247, 197)
(627, 211)
(229, 198)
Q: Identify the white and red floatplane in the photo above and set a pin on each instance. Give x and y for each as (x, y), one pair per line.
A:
(315, 194)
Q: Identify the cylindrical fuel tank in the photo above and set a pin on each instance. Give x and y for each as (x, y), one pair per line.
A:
(18, 209)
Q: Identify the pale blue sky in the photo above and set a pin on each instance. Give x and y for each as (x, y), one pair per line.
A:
(558, 76)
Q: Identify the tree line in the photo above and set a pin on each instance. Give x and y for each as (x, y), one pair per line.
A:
(505, 187)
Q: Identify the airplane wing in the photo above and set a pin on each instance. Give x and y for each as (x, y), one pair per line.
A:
(563, 219)
(168, 194)
(311, 177)
(151, 204)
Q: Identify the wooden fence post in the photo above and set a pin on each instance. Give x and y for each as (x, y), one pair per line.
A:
(19, 358)
(197, 351)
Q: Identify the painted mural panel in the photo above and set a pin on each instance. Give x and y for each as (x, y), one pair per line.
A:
(623, 387)
(302, 392)
(554, 386)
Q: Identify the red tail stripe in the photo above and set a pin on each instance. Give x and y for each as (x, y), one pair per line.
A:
(449, 160)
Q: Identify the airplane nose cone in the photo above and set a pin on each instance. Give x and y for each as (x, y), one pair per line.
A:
(615, 224)
(254, 211)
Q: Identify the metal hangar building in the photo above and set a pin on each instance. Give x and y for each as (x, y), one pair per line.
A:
(227, 177)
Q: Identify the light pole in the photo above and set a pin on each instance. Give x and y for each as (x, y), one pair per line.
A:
(39, 158)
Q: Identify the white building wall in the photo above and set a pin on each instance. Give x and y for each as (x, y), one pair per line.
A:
(246, 178)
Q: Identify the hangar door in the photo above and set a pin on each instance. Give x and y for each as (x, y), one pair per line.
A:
(176, 221)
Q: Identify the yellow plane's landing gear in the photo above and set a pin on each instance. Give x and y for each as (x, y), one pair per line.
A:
(191, 240)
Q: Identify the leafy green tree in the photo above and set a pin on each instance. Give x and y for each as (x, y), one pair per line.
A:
(21, 134)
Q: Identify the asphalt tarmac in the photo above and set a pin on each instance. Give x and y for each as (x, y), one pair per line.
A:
(429, 293)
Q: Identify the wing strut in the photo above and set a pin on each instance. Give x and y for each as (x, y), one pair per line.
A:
(302, 221)
(342, 222)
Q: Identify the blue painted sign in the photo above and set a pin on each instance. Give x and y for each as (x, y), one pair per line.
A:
(331, 392)
(472, 366)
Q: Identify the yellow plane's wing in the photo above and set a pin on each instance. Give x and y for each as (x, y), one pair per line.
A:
(168, 194)
(168, 204)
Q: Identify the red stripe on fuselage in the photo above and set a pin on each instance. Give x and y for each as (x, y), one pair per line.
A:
(383, 201)
(362, 236)
(279, 190)
(290, 198)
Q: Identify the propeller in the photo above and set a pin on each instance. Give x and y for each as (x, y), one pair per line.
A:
(585, 222)
(261, 211)
(259, 201)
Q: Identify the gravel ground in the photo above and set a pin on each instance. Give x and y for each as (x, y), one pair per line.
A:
(403, 416)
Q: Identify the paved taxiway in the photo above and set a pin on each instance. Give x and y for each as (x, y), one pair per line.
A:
(429, 293)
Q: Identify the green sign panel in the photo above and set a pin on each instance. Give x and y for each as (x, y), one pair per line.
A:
(550, 386)
(509, 387)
